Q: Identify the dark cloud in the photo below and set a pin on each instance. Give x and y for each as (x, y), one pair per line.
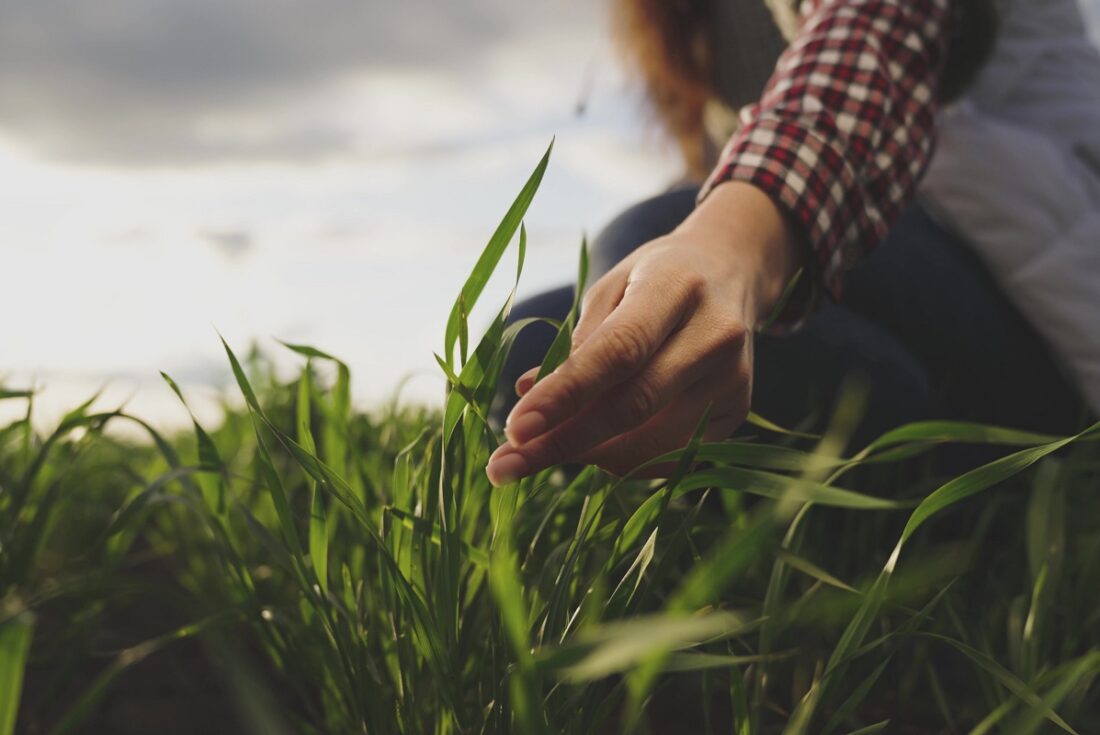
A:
(233, 244)
(138, 81)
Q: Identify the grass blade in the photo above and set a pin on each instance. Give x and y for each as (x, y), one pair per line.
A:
(15, 644)
(318, 526)
(491, 255)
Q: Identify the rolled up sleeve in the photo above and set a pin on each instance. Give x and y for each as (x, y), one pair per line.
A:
(844, 129)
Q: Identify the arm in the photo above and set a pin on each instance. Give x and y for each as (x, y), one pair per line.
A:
(845, 127)
(825, 163)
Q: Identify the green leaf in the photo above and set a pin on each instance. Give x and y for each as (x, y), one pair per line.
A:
(682, 661)
(310, 352)
(6, 394)
(507, 588)
(491, 255)
(950, 493)
(99, 686)
(958, 432)
(563, 340)
(213, 487)
(871, 729)
(848, 707)
(1013, 683)
(15, 644)
(271, 477)
(476, 556)
(974, 482)
(617, 647)
(781, 487)
(1069, 678)
(242, 380)
(812, 570)
(755, 419)
(728, 558)
(758, 456)
(318, 527)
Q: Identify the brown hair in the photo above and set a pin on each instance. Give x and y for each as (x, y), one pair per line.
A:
(667, 43)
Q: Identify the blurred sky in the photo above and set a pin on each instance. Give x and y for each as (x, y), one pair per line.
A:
(323, 172)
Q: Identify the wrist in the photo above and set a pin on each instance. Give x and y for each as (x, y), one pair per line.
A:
(760, 242)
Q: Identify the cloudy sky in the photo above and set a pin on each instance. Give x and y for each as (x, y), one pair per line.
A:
(322, 171)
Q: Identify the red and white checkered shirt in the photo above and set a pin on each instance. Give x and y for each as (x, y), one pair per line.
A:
(845, 127)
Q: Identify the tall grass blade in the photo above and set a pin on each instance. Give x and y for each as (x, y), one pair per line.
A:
(508, 593)
(213, 487)
(871, 729)
(491, 255)
(94, 692)
(563, 340)
(1067, 680)
(1017, 686)
(318, 523)
(613, 648)
(15, 644)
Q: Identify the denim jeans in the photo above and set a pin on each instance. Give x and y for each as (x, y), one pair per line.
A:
(921, 325)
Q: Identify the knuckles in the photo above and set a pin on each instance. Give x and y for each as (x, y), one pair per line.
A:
(725, 340)
(637, 402)
(691, 284)
(556, 447)
(627, 347)
(588, 298)
(566, 393)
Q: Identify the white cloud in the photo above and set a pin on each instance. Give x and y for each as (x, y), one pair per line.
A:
(361, 182)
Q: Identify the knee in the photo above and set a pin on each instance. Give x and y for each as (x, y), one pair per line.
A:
(798, 379)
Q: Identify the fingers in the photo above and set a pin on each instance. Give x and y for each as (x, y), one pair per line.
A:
(670, 429)
(599, 300)
(686, 357)
(526, 381)
(617, 349)
(673, 428)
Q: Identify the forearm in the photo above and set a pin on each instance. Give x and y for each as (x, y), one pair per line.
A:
(845, 127)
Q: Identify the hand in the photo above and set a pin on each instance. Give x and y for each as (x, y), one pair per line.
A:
(664, 334)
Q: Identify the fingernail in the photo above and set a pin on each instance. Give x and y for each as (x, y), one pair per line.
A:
(525, 428)
(525, 384)
(505, 466)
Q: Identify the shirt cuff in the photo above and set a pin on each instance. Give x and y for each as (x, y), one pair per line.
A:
(810, 180)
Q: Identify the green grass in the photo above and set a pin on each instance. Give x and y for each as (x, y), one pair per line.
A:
(336, 572)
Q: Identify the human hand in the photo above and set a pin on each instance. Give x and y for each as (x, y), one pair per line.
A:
(664, 334)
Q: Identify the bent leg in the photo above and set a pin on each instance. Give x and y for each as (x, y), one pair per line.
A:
(924, 285)
(798, 378)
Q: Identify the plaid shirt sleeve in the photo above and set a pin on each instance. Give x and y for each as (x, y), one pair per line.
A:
(844, 129)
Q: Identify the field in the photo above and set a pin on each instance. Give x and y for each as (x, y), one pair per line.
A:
(307, 568)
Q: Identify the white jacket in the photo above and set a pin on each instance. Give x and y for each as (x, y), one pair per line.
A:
(1017, 174)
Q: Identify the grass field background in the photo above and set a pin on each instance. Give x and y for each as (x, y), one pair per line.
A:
(306, 567)
(268, 538)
